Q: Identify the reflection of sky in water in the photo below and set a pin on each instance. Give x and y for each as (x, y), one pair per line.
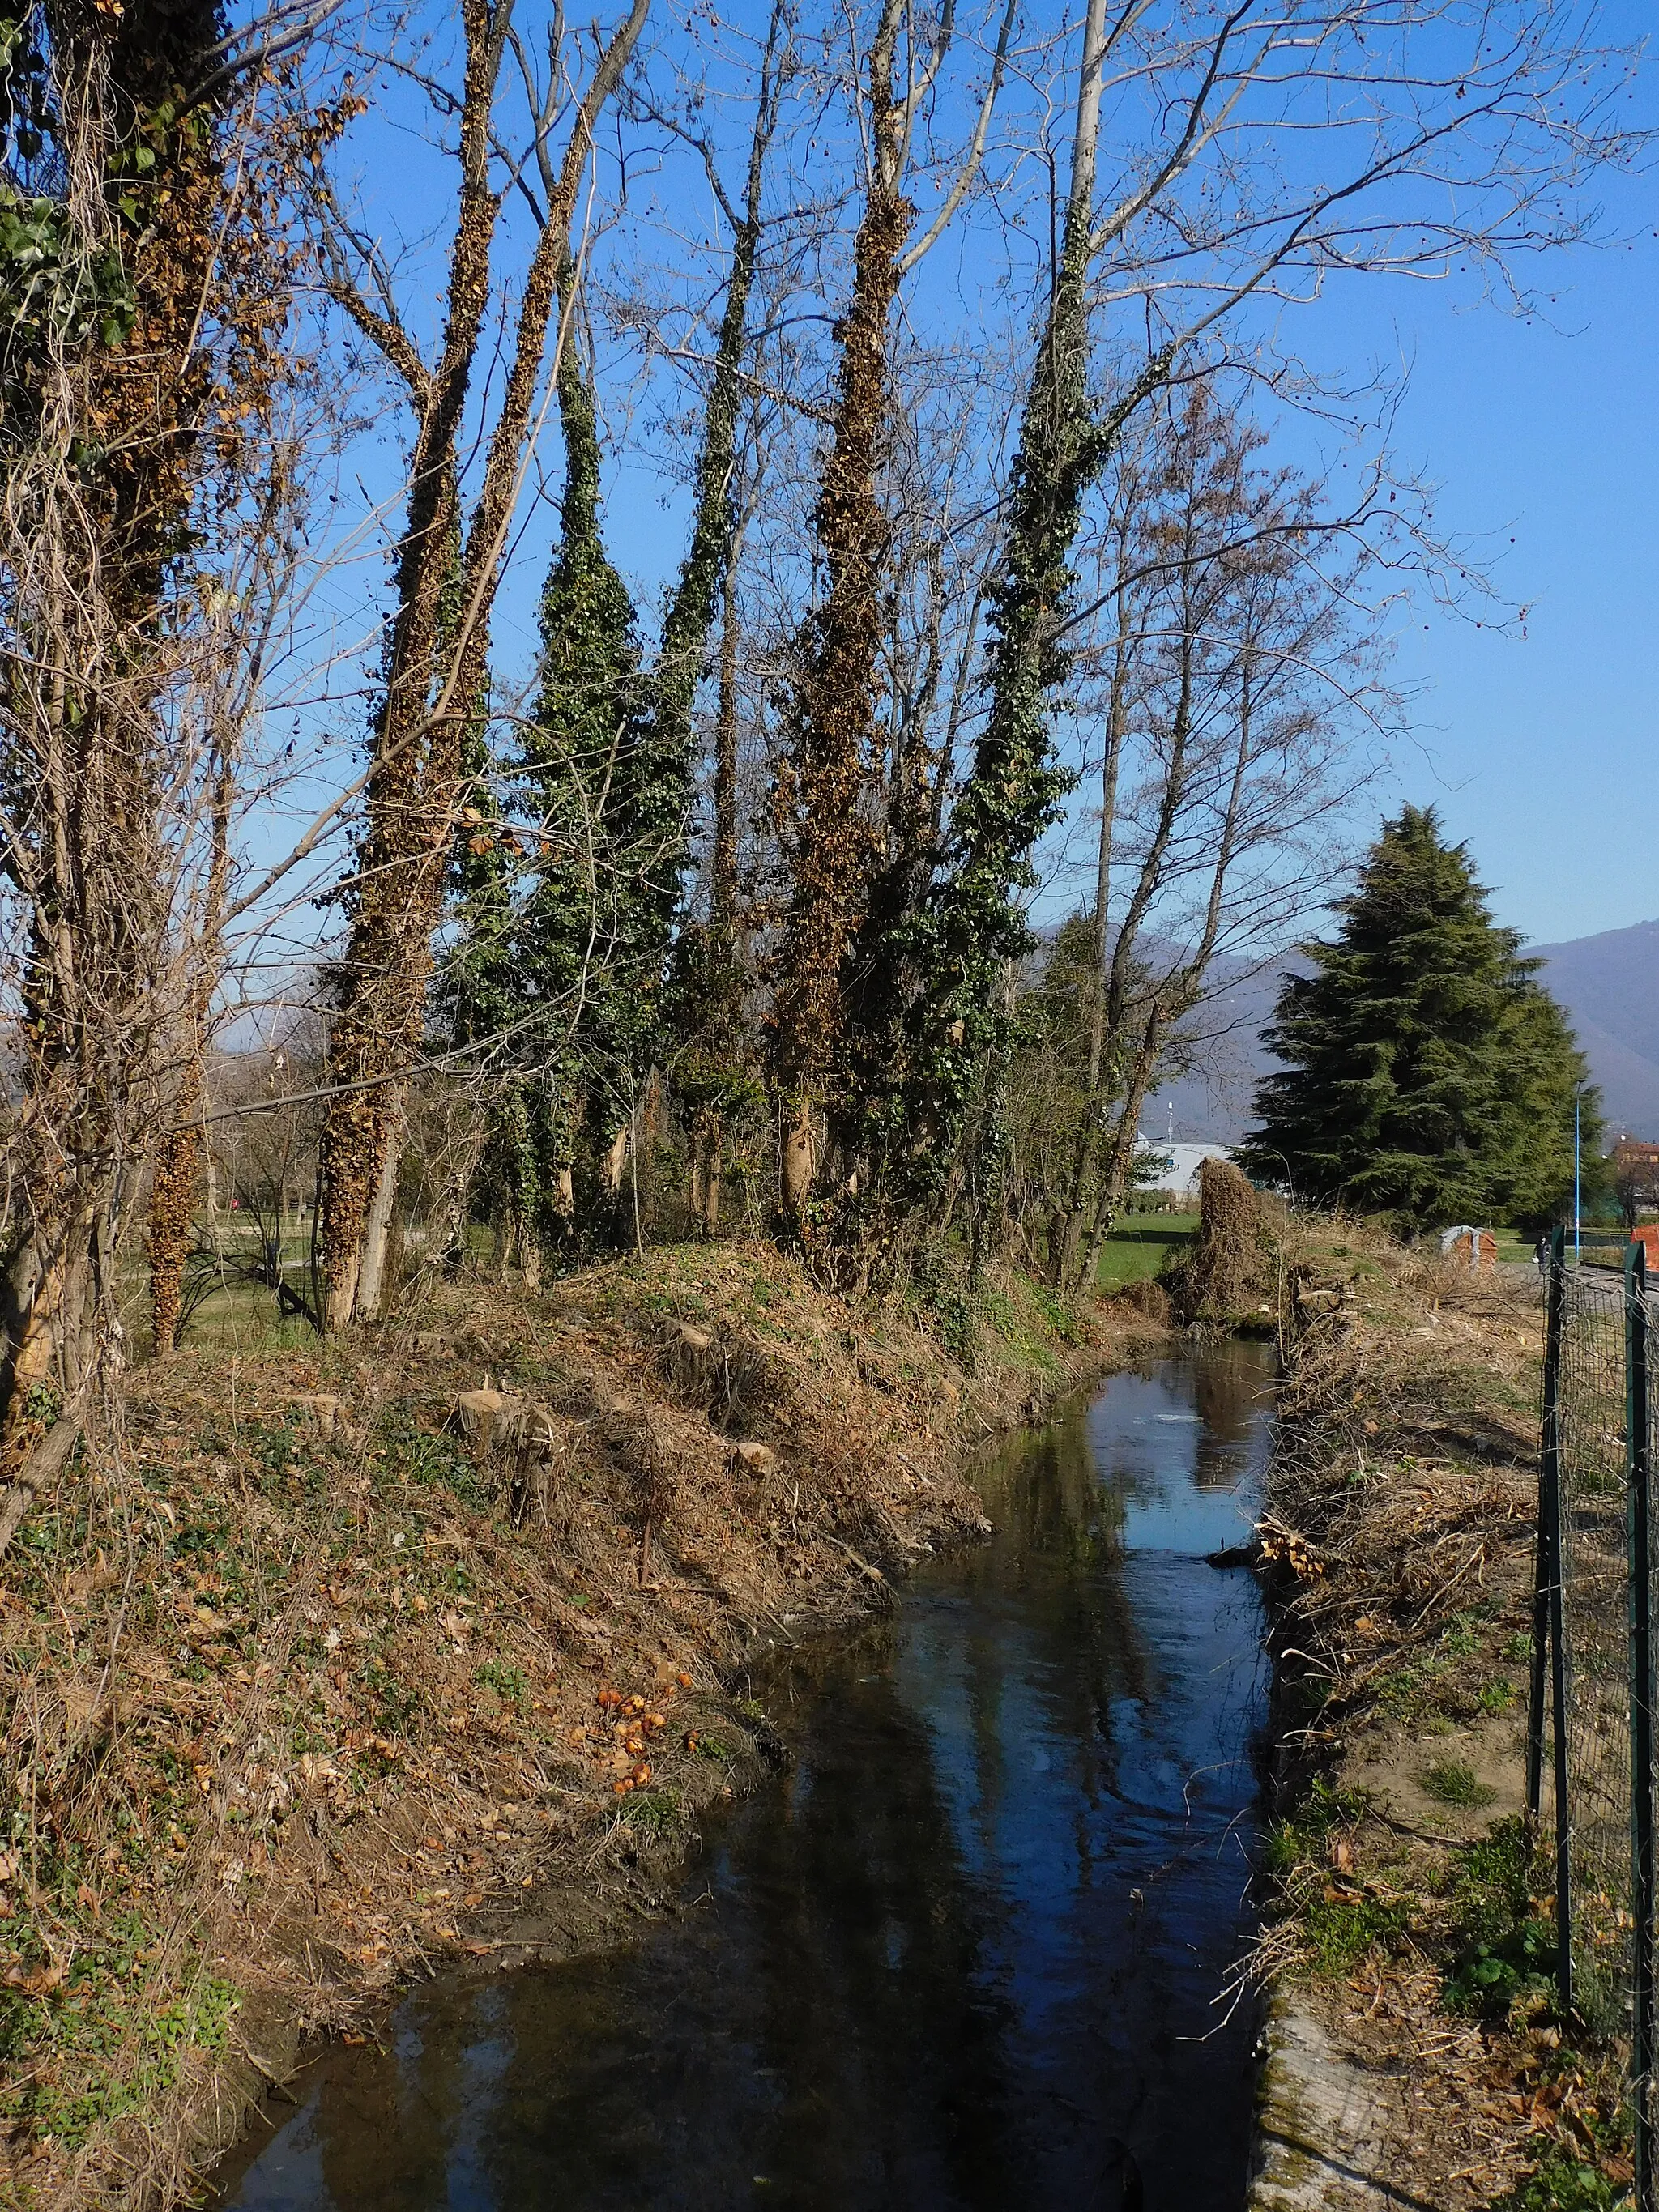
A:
(961, 1957)
(1045, 1815)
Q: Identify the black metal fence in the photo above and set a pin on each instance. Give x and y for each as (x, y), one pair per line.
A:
(1593, 1657)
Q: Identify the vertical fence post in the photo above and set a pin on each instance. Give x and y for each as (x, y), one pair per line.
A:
(1549, 1467)
(1555, 1596)
(1641, 1712)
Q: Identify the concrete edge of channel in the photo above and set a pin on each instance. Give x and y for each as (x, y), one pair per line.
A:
(1323, 2123)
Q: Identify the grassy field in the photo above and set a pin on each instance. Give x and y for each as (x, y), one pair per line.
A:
(1139, 1246)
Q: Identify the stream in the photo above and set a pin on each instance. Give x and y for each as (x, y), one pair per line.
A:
(964, 1954)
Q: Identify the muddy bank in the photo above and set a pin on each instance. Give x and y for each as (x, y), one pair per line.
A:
(310, 1684)
(1414, 2057)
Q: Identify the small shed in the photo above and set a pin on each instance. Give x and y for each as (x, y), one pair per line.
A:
(1466, 1247)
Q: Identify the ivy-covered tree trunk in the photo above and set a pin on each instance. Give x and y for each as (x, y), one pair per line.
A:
(690, 612)
(723, 900)
(824, 841)
(140, 313)
(583, 753)
(950, 1080)
(604, 785)
(418, 745)
(707, 1048)
(394, 900)
(712, 1056)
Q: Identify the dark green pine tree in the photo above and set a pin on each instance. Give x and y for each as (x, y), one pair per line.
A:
(1428, 1075)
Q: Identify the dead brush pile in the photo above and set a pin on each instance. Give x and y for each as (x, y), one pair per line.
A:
(1233, 1270)
(1405, 1470)
(420, 1642)
(1398, 1548)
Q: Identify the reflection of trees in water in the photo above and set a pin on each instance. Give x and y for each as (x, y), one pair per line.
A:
(1045, 1497)
(828, 2026)
(864, 2015)
(386, 2127)
(1230, 1388)
(891, 2073)
(1230, 1384)
(1060, 1538)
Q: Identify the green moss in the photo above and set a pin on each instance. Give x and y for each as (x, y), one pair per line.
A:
(1564, 2183)
(1301, 1838)
(507, 1682)
(411, 1454)
(101, 2046)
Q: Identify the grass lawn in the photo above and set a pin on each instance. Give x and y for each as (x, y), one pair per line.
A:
(1139, 1246)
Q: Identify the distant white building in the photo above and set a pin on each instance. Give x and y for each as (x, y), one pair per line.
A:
(1174, 1166)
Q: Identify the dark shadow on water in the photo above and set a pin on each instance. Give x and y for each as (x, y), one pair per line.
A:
(963, 1957)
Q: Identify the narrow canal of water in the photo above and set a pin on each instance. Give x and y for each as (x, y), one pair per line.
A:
(964, 1955)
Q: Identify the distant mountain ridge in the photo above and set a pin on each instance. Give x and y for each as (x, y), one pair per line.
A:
(1608, 985)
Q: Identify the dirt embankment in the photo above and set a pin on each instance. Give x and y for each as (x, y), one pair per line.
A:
(310, 1684)
(1410, 1952)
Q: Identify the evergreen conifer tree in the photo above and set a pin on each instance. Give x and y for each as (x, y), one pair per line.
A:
(560, 960)
(589, 947)
(1428, 1075)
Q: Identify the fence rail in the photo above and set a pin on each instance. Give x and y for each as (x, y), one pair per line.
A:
(1593, 1680)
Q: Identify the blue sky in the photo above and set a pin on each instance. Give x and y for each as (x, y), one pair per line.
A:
(1541, 750)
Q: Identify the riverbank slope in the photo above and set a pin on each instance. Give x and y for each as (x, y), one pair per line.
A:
(1414, 2059)
(334, 1660)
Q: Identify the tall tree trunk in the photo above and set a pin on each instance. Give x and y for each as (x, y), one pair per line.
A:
(432, 695)
(690, 612)
(106, 439)
(825, 844)
(1063, 1236)
(1016, 786)
(827, 851)
(173, 1189)
(723, 858)
(1183, 987)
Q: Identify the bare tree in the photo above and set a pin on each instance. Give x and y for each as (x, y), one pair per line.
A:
(1232, 691)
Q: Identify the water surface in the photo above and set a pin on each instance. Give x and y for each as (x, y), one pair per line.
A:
(963, 1956)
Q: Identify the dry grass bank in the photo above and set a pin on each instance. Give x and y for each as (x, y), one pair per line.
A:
(1402, 1508)
(307, 1691)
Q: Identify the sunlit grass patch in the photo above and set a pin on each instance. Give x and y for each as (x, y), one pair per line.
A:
(1139, 1246)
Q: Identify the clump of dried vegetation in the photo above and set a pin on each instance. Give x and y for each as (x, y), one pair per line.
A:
(1233, 1274)
(1398, 1546)
(427, 1641)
